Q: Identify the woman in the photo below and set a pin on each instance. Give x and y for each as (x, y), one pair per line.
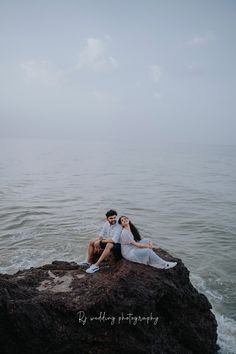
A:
(136, 250)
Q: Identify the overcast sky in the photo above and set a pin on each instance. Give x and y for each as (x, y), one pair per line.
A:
(127, 69)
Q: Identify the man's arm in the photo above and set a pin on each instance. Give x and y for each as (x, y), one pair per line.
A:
(107, 240)
(103, 234)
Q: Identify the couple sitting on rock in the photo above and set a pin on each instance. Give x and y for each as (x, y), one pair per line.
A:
(122, 238)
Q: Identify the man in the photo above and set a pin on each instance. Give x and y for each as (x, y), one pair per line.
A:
(108, 240)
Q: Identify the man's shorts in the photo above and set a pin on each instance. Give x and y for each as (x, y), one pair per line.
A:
(116, 249)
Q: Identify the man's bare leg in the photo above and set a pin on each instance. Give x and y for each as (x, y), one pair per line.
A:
(91, 250)
(105, 253)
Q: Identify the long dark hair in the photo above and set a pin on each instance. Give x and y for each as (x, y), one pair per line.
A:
(133, 229)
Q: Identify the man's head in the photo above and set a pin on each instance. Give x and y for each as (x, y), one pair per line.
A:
(111, 216)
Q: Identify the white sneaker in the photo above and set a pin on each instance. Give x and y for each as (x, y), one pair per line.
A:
(92, 269)
(170, 265)
(84, 264)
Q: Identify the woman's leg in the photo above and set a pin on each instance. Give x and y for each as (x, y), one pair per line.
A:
(158, 262)
(149, 257)
(155, 260)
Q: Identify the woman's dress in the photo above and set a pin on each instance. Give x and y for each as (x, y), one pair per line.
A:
(140, 255)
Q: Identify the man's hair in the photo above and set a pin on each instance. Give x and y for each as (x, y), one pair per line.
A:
(111, 213)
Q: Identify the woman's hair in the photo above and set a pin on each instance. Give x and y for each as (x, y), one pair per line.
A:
(133, 229)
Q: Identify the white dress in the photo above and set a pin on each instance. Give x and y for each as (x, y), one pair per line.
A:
(139, 255)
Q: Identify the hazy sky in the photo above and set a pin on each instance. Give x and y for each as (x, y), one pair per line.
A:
(117, 70)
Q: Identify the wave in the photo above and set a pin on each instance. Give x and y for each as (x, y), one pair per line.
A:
(226, 329)
(226, 334)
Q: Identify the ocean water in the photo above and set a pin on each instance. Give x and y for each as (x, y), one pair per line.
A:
(54, 194)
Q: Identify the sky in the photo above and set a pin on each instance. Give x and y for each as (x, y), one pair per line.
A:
(115, 71)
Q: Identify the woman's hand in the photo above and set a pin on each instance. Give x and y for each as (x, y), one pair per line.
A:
(150, 244)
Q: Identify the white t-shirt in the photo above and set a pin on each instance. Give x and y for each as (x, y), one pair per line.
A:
(111, 231)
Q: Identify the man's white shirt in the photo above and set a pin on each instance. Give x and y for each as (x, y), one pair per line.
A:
(111, 231)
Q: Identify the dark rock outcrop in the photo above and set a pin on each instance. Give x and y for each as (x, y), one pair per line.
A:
(124, 308)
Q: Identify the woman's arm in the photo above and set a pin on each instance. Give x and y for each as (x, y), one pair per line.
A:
(142, 245)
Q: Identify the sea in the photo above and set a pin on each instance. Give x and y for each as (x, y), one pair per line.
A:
(54, 195)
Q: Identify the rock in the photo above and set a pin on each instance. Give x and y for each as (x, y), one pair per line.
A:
(125, 307)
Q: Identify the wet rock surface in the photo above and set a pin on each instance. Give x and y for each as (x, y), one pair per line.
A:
(125, 307)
